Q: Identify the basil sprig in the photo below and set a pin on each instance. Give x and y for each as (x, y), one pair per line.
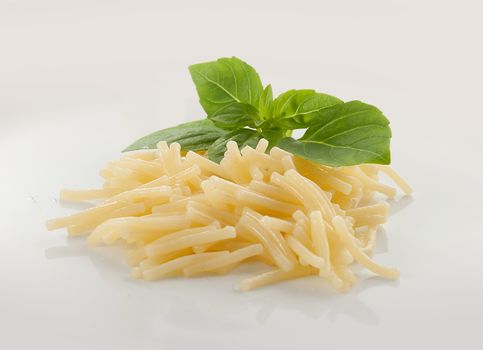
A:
(240, 109)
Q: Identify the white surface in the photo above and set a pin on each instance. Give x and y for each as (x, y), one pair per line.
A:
(81, 80)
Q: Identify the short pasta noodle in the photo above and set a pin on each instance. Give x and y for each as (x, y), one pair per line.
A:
(180, 214)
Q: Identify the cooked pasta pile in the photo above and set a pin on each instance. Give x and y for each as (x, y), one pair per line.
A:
(182, 214)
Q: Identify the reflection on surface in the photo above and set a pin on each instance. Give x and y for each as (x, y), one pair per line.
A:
(108, 261)
(75, 247)
(400, 204)
(382, 245)
(209, 303)
(314, 299)
(309, 297)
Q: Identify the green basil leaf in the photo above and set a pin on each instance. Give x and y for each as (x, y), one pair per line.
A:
(235, 116)
(345, 134)
(294, 109)
(194, 136)
(224, 81)
(273, 136)
(265, 105)
(243, 137)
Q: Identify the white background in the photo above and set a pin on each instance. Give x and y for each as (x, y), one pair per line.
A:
(80, 80)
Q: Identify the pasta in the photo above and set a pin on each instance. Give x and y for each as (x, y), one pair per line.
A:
(186, 215)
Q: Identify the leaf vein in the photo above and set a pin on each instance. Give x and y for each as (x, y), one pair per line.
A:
(346, 147)
(219, 86)
(352, 129)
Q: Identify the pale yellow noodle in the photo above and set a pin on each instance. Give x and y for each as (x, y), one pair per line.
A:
(274, 192)
(261, 235)
(219, 262)
(178, 264)
(83, 195)
(160, 259)
(319, 237)
(304, 253)
(255, 172)
(264, 204)
(262, 160)
(146, 154)
(223, 216)
(373, 184)
(273, 234)
(91, 214)
(176, 206)
(206, 165)
(88, 225)
(279, 153)
(199, 218)
(403, 185)
(134, 229)
(236, 169)
(278, 224)
(262, 146)
(175, 212)
(181, 233)
(363, 259)
(288, 164)
(301, 234)
(372, 220)
(321, 176)
(376, 209)
(275, 276)
(190, 240)
(161, 194)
